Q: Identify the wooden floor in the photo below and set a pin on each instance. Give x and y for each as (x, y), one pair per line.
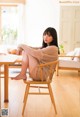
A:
(66, 89)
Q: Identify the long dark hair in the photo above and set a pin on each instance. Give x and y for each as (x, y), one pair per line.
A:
(51, 31)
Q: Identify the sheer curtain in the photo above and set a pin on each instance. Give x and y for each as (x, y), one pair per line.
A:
(21, 23)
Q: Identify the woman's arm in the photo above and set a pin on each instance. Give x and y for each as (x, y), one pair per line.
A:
(36, 47)
(21, 46)
(37, 53)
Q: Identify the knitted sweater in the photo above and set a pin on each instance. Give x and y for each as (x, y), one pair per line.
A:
(44, 55)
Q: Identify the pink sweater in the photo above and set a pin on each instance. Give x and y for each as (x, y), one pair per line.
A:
(44, 55)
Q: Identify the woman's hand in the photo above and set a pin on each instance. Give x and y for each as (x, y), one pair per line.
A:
(19, 51)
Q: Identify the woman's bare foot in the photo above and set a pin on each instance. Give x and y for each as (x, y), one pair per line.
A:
(19, 77)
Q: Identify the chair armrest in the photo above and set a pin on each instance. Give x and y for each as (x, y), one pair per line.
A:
(68, 56)
(48, 63)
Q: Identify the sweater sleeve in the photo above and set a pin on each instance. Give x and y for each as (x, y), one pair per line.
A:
(45, 54)
(36, 53)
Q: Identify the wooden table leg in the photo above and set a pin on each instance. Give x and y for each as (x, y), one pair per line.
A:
(0, 89)
(6, 83)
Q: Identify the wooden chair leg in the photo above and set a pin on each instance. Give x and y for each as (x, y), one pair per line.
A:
(25, 97)
(52, 97)
(57, 70)
(78, 71)
(25, 93)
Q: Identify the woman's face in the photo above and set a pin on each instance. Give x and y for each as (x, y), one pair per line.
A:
(47, 38)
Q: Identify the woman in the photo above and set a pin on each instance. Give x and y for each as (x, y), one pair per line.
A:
(32, 57)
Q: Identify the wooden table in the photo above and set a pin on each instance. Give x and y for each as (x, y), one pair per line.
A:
(6, 60)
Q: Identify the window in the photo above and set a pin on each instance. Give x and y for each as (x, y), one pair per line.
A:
(9, 25)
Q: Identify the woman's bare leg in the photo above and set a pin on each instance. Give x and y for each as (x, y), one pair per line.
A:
(27, 62)
(25, 65)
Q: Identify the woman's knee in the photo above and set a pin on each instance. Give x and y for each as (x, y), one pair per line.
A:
(25, 53)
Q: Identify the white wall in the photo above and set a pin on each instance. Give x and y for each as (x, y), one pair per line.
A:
(40, 14)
